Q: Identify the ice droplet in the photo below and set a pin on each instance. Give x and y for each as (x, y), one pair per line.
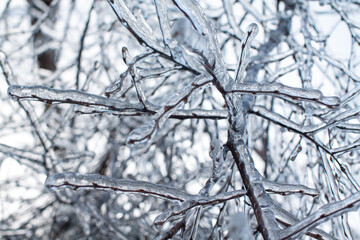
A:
(253, 29)
(12, 90)
(215, 149)
(331, 101)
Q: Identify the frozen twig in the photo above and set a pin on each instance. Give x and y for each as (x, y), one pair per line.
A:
(77, 181)
(51, 95)
(182, 208)
(281, 90)
(178, 114)
(284, 122)
(286, 189)
(287, 219)
(323, 214)
(140, 32)
(142, 136)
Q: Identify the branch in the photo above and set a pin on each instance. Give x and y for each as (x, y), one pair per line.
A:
(90, 103)
(51, 95)
(135, 28)
(286, 189)
(77, 181)
(280, 90)
(324, 213)
(197, 201)
(181, 114)
(260, 200)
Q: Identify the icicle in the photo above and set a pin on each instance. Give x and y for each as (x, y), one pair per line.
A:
(126, 56)
(252, 31)
(191, 224)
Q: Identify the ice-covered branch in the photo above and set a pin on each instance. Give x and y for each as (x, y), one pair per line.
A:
(284, 122)
(182, 208)
(51, 95)
(198, 18)
(231, 18)
(323, 214)
(281, 90)
(202, 24)
(339, 65)
(286, 189)
(21, 153)
(287, 219)
(137, 29)
(260, 200)
(90, 103)
(142, 136)
(164, 22)
(130, 62)
(349, 147)
(178, 114)
(77, 181)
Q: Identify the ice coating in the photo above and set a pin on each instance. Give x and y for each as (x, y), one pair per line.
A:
(215, 149)
(135, 26)
(278, 89)
(323, 214)
(50, 95)
(77, 181)
(162, 12)
(289, 188)
(142, 136)
(125, 55)
(180, 208)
